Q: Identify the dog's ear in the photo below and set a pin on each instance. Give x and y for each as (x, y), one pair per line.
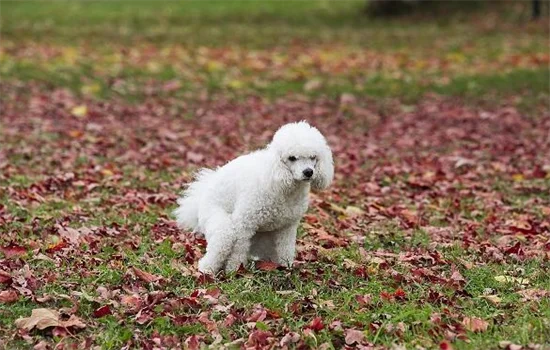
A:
(325, 170)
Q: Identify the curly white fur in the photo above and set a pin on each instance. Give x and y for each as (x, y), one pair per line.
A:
(251, 207)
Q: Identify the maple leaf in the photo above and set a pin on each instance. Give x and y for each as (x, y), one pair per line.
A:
(400, 294)
(475, 324)
(44, 318)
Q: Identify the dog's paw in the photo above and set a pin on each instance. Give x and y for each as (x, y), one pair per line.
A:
(234, 265)
(207, 267)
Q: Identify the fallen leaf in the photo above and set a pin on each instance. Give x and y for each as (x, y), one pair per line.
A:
(5, 277)
(312, 85)
(8, 296)
(534, 294)
(267, 265)
(13, 250)
(493, 299)
(43, 318)
(354, 336)
(145, 276)
(352, 211)
(102, 311)
(79, 111)
(475, 324)
(510, 279)
(316, 324)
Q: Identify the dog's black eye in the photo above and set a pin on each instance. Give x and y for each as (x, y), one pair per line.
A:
(292, 158)
(313, 157)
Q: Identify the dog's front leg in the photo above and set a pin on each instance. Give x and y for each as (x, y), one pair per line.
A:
(245, 227)
(285, 245)
(239, 253)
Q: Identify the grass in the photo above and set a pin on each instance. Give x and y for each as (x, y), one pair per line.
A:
(150, 58)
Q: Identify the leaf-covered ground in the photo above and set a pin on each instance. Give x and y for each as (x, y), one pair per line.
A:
(435, 233)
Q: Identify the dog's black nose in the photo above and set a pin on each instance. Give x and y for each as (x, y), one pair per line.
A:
(308, 172)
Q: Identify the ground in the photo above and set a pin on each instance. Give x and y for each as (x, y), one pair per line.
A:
(435, 233)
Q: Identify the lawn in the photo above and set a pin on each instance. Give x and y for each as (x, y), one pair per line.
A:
(434, 235)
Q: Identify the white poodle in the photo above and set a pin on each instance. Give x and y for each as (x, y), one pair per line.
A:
(251, 207)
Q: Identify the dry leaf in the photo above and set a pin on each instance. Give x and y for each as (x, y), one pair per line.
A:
(145, 276)
(354, 336)
(44, 318)
(79, 111)
(8, 296)
(475, 324)
(510, 279)
(493, 299)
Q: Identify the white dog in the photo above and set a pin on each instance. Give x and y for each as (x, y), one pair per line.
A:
(251, 207)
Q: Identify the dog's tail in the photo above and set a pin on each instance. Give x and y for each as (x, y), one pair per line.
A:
(187, 214)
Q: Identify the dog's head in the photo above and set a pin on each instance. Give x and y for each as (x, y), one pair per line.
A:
(303, 155)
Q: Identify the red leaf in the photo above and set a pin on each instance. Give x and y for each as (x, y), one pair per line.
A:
(267, 265)
(145, 276)
(400, 294)
(316, 324)
(515, 249)
(52, 248)
(13, 250)
(5, 277)
(444, 345)
(102, 311)
(192, 343)
(8, 296)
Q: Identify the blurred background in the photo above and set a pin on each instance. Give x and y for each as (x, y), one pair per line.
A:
(400, 49)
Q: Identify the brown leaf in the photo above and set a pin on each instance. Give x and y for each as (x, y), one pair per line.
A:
(493, 299)
(133, 301)
(8, 296)
(267, 265)
(145, 276)
(354, 336)
(45, 318)
(533, 294)
(475, 324)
